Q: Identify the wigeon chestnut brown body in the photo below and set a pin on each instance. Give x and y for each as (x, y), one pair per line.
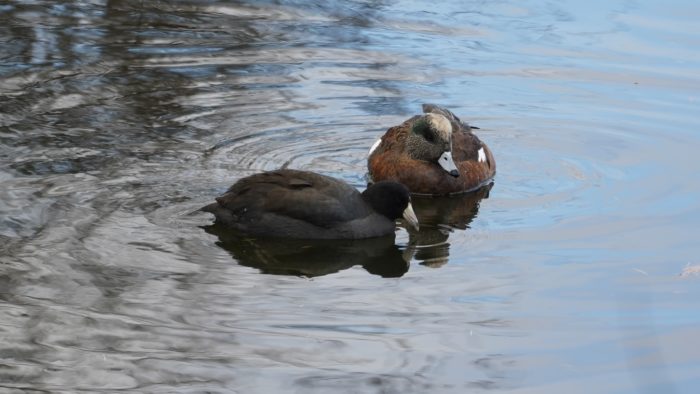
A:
(434, 153)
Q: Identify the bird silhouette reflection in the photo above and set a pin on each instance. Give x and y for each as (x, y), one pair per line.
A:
(439, 217)
(302, 257)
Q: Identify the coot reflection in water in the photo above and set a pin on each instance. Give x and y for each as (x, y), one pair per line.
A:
(439, 217)
(379, 256)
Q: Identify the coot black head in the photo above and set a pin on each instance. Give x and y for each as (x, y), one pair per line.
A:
(392, 200)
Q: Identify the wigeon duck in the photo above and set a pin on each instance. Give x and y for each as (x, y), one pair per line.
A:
(434, 153)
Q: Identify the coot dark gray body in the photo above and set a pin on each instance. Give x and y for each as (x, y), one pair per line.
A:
(302, 204)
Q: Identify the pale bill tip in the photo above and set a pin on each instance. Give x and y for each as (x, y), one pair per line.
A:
(445, 161)
(410, 217)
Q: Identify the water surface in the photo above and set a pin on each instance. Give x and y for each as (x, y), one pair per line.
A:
(573, 273)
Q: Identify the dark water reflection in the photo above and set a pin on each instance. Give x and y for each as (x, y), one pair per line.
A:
(439, 217)
(379, 256)
(119, 118)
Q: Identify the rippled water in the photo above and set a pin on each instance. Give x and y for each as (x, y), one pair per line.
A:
(576, 272)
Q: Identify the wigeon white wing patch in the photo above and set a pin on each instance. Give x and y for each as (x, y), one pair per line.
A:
(482, 155)
(376, 144)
